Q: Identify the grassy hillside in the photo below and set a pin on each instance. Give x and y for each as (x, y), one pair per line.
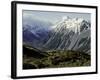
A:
(36, 59)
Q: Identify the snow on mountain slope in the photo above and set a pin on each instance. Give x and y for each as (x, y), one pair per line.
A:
(70, 34)
(72, 24)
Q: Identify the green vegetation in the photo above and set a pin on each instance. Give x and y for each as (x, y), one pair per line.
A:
(54, 59)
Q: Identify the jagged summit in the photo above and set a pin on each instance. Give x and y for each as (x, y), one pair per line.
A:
(71, 24)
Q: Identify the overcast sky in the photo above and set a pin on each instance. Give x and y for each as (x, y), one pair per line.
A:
(53, 16)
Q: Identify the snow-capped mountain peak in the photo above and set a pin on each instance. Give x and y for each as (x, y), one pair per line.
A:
(70, 34)
(71, 24)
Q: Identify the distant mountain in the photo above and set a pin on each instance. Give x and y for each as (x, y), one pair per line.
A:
(70, 34)
(35, 32)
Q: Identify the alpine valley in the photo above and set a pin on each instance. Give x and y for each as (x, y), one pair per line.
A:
(67, 43)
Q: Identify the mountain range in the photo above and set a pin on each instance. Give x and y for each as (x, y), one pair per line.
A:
(67, 34)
